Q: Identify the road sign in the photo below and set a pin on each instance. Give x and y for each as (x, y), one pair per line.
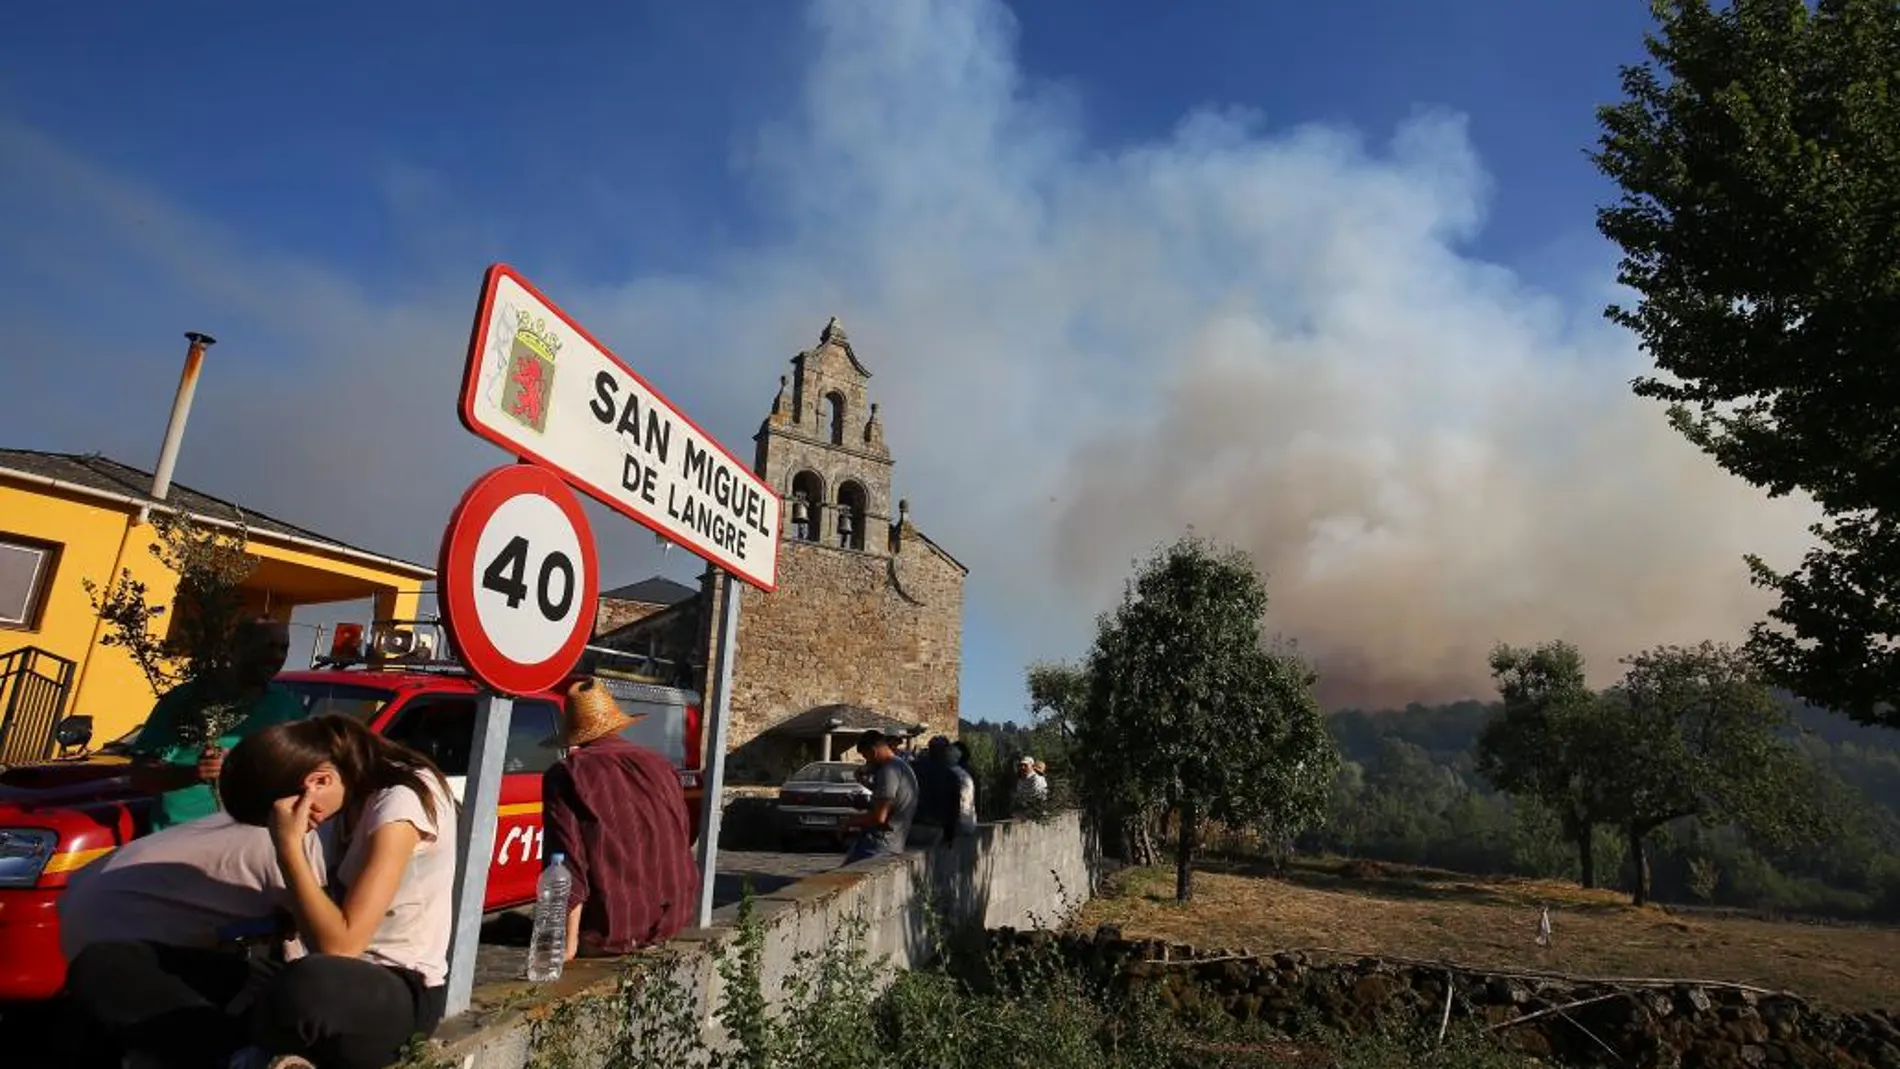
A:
(519, 579)
(539, 386)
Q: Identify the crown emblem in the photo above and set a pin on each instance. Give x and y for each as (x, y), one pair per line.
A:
(534, 334)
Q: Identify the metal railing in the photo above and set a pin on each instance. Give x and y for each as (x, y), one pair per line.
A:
(33, 689)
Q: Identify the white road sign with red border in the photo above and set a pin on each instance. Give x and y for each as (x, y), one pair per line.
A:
(520, 580)
(542, 388)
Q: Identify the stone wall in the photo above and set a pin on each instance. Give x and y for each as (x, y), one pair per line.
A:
(797, 437)
(1020, 874)
(791, 454)
(1560, 1020)
(877, 625)
(885, 633)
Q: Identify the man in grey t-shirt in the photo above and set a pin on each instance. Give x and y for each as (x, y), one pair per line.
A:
(893, 800)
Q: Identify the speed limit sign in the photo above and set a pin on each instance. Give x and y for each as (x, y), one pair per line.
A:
(519, 581)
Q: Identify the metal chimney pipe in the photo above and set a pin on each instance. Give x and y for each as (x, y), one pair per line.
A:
(181, 410)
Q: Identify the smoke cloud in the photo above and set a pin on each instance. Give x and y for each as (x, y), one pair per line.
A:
(1275, 336)
(1271, 336)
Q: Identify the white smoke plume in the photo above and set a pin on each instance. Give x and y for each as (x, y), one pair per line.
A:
(1274, 335)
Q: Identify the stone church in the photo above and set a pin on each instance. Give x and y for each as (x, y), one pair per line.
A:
(865, 629)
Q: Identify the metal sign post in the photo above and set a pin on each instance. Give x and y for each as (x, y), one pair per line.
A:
(475, 842)
(520, 586)
(717, 717)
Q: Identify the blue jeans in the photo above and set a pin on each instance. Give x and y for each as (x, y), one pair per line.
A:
(864, 848)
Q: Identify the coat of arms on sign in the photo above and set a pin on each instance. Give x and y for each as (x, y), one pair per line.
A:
(530, 382)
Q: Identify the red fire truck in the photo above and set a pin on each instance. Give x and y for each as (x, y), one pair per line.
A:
(58, 816)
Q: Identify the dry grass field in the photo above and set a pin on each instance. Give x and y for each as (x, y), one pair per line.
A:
(1362, 908)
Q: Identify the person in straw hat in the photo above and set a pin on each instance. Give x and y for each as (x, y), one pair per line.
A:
(619, 814)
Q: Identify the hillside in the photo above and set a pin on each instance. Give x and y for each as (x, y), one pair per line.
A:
(1410, 793)
(1361, 909)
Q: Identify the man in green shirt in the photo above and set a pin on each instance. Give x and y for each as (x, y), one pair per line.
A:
(172, 764)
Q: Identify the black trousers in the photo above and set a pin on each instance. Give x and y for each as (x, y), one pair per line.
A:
(191, 1008)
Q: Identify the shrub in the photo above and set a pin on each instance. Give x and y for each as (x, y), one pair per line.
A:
(975, 1010)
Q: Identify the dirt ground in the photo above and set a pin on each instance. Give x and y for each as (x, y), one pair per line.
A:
(1368, 909)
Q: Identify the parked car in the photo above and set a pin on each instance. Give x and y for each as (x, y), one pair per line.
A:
(817, 800)
(58, 816)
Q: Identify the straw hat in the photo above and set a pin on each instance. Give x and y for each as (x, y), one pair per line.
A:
(592, 713)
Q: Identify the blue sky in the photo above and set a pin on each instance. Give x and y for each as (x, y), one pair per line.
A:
(1320, 280)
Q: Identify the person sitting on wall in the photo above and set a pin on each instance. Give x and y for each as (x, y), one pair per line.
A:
(190, 885)
(1032, 789)
(966, 791)
(619, 814)
(177, 902)
(376, 975)
(886, 824)
(182, 770)
(937, 796)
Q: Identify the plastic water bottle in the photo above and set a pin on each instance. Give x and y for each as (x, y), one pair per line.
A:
(547, 948)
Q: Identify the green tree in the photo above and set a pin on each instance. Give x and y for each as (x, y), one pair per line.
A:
(1187, 708)
(1758, 155)
(1695, 732)
(1057, 693)
(194, 639)
(1544, 744)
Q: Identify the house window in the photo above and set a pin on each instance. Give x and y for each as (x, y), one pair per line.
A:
(26, 572)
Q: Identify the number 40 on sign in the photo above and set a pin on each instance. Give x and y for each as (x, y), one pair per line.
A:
(519, 579)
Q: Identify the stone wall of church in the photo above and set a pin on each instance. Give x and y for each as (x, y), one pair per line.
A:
(834, 465)
(885, 633)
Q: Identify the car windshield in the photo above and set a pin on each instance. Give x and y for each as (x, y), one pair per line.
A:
(319, 699)
(340, 699)
(826, 772)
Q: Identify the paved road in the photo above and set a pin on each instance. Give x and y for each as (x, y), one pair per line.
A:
(504, 951)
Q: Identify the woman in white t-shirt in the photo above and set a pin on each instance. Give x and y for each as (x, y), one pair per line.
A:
(379, 949)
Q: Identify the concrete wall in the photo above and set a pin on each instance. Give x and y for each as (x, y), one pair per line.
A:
(1018, 874)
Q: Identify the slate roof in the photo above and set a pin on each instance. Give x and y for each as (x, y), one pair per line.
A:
(657, 590)
(105, 475)
(813, 722)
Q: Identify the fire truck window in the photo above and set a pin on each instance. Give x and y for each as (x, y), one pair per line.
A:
(661, 728)
(443, 729)
(325, 699)
(534, 737)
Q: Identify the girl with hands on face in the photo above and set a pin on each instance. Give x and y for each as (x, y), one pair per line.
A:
(378, 950)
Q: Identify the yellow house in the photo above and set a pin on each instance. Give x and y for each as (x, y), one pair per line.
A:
(65, 519)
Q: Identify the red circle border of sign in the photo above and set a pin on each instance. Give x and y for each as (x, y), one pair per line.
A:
(455, 572)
